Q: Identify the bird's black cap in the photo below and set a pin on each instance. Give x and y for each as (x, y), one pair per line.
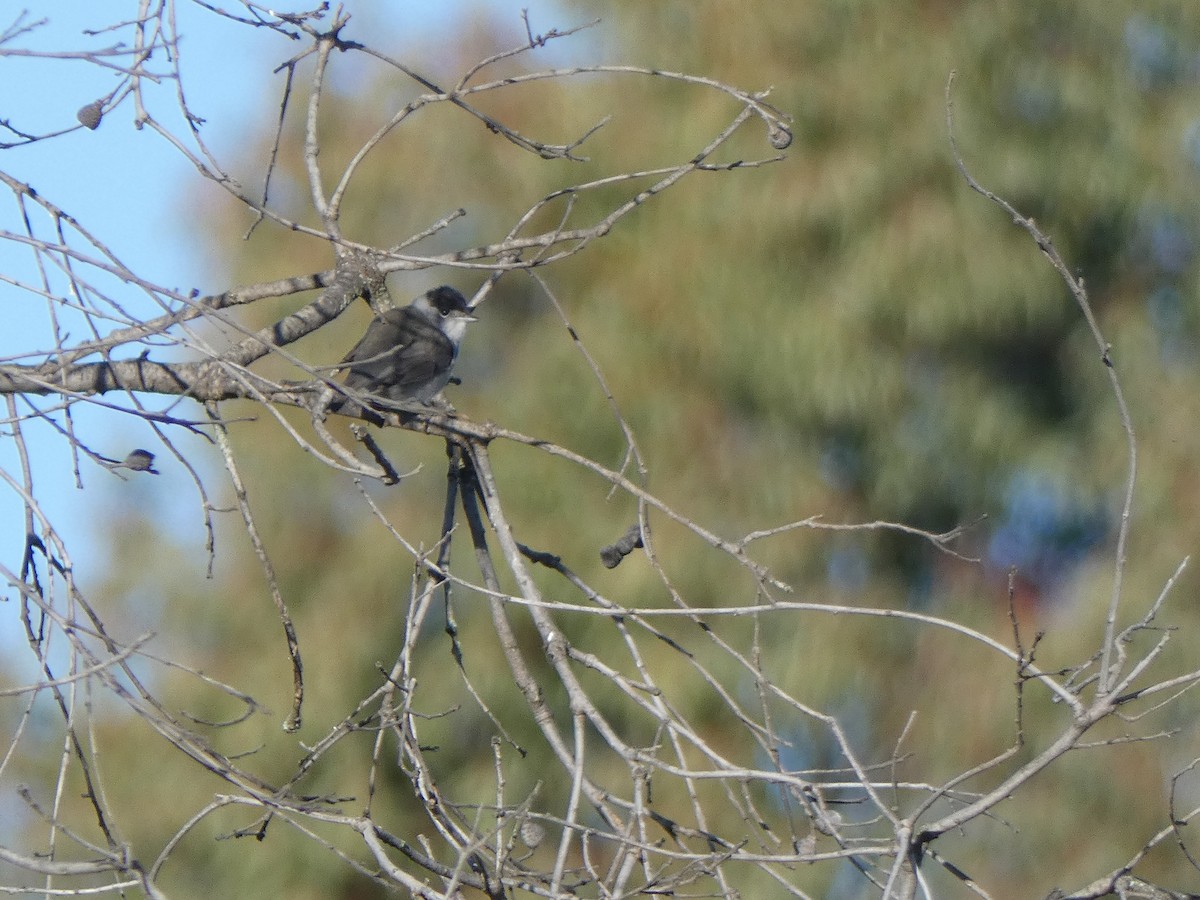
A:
(446, 299)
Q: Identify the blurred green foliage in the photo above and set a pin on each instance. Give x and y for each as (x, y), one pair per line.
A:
(850, 333)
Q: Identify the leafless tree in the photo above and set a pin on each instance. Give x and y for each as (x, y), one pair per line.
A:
(736, 812)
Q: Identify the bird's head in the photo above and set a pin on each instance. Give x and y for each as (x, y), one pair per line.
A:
(447, 309)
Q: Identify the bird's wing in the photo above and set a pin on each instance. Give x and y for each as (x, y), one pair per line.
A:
(399, 350)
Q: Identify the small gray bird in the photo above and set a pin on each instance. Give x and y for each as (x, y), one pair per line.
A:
(407, 353)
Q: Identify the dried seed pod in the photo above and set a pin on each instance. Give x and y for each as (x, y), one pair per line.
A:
(779, 136)
(90, 115)
(612, 555)
(532, 834)
(141, 461)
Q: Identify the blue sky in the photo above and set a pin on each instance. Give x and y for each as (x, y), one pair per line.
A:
(127, 186)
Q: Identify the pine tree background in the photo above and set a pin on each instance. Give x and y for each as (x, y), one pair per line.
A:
(851, 334)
